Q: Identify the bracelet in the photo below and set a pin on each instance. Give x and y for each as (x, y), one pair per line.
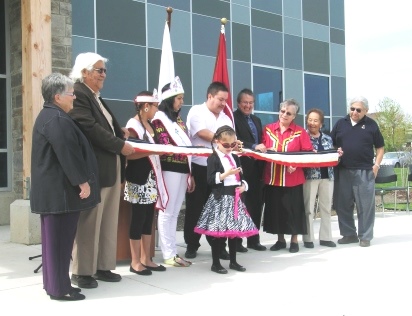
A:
(377, 166)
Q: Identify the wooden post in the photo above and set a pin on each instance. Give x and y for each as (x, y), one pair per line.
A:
(36, 64)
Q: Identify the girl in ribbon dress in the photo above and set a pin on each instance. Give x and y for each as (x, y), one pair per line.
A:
(224, 214)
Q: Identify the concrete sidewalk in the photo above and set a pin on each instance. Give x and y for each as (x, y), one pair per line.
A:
(346, 280)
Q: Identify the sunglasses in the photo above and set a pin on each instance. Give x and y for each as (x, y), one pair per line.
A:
(287, 113)
(355, 109)
(100, 70)
(227, 145)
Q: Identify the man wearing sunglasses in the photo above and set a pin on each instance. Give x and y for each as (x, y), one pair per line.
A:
(202, 121)
(249, 131)
(358, 135)
(94, 252)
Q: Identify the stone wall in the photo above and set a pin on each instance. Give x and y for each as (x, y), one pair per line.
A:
(16, 96)
(61, 36)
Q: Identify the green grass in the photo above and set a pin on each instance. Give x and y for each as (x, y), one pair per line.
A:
(402, 174)
(399, 206)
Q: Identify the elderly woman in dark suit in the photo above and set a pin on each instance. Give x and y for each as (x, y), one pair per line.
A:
(64, 182)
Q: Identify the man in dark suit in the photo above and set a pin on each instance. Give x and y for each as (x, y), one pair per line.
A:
(94, 251)
(249, 131)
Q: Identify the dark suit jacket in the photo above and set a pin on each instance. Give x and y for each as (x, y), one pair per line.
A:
(243, 131)
(244, 134)
(106, 145)
(252, 168)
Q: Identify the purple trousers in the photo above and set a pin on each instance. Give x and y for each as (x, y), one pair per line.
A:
(57, 237)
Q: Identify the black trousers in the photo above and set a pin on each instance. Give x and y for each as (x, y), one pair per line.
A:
(253, 197)
(194, 206)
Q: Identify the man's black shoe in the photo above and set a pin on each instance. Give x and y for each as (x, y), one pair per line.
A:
(224, 255)
(190, 254)
(107, 276)
(348, 240)
(327, 243)
(308, 244)
(257, 247)
(241, 248)
(84, 281)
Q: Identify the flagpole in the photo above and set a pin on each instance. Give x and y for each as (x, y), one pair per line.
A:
(155, 237)
(169, 11)
(220, 72)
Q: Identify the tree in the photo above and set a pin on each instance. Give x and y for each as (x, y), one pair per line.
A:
(394, 124)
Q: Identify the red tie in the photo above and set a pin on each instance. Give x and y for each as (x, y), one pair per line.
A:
(237, 175)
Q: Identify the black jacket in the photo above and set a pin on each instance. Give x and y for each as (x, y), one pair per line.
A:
(214, 165)
(62, 158)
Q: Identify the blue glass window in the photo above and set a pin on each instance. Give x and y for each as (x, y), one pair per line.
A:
(317, 93)
(267, 85)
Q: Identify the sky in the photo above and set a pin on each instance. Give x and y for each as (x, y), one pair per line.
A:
(378, 40)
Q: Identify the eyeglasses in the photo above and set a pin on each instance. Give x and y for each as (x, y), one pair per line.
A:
(356, 109)
(287, 113)
(227, 145)
(246, 102)
(100, 70)
(69, 93)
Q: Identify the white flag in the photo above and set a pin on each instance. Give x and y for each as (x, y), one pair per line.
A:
(167, 64)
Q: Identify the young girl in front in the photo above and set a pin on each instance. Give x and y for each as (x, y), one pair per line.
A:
(224, 214)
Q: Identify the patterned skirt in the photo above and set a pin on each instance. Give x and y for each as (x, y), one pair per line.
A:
(218, 219)
(142, 194)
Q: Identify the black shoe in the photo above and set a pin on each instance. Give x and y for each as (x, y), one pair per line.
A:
(365, 243)
(72, 296)
(294, 247)
(240, 248)
(218, 269)
(143, 272)
(348, 240)
(308, 244)
(84, 281)
(327, 243)
(190, 254)
(257, 247)
(76, 289)
(224, 255)
(159, 268)
(107, 276)
(236, 266)
(278, 245)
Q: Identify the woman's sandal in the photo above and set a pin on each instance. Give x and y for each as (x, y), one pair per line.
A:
(176, 261)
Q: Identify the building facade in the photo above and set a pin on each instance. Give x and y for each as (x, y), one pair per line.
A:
(280, 49)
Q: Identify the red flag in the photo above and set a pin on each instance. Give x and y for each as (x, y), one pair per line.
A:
(220, 73)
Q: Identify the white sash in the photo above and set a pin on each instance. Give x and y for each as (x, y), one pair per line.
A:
(162, 194)
(177, 134)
